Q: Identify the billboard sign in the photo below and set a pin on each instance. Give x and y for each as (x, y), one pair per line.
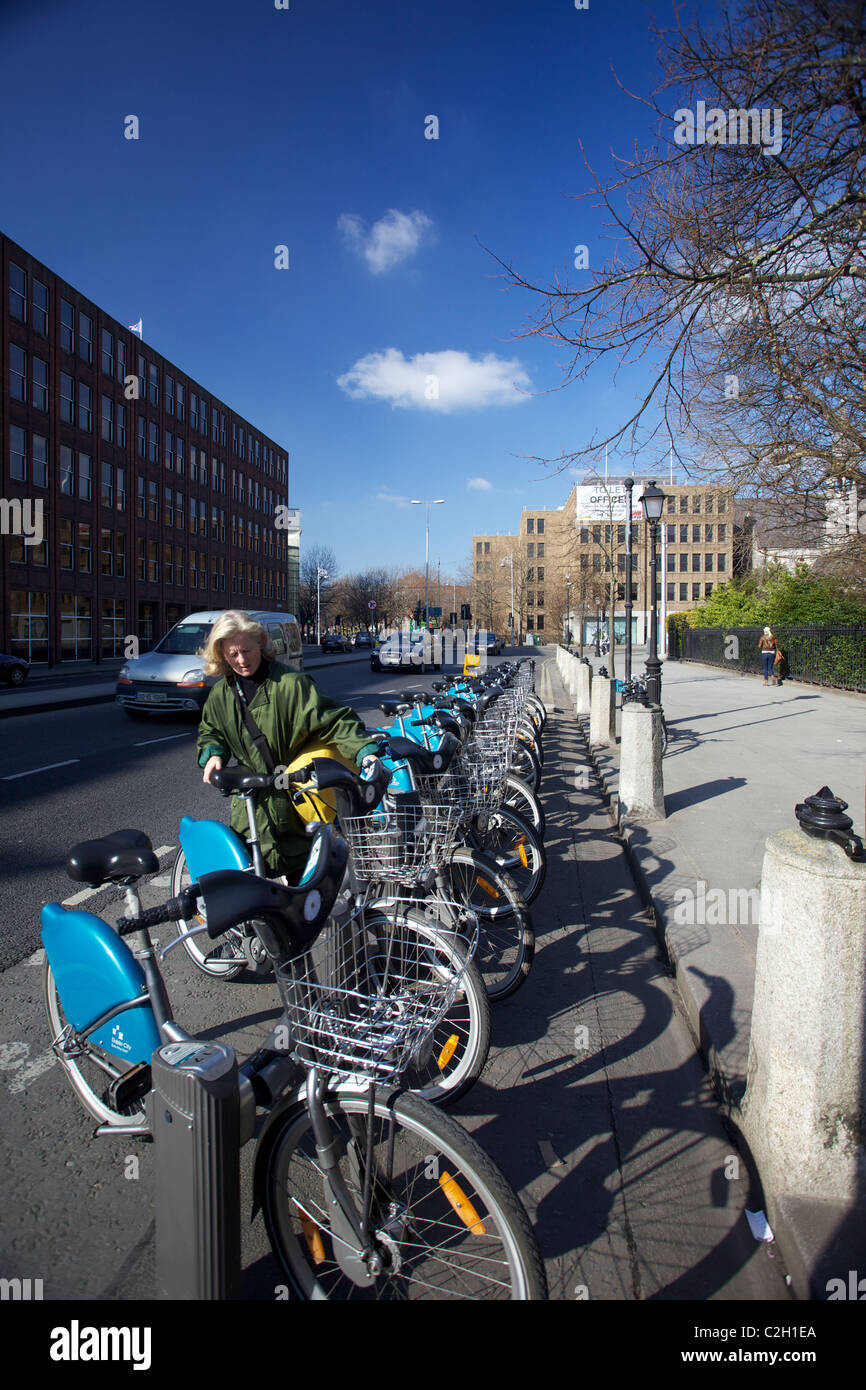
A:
(606, 502)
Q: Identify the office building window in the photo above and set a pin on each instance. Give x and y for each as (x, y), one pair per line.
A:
(620, 535)
(696, 592)
(684, 593)
(721, 531)
(540, 550)
(85, 408)
(584, 562)
(696, 502)
(17, 292)
(121, 360)
(696, 561)
(723, 506)
(584, 535)
(85, 337)
(696, 531)
(67, 471)
(152, 501)
(684, 562)
(181, 401)
(107, 552)
(193, 410)
(530, 525)
(107, 353)
(539, 530)
(708, 589)
(67, 399)
(153, 438)
(120, 426)
(671, 592)
(17, 373)
(120, 489)
(596, 535)
(179, 461)
(67, 544)
(154, 384)
(241, 443)
(169, 394)
(168, 507)
(540, 573)
(85, 548)
(671, 562)
(540, 599)
(107, 485)
(17, 454)
(708, 532)
(85, 477)
(721, 562)
(40, 308)
(178, 509)
(539, 623)
(530, 550)
(672, 534)
(152, 561)
(108, 419)
(596, 564)
(120, 555)
(530, 597)
(67, 326)
(169, 450)
(142, 437)
(684, 535)
(168, 552)
(39, 383)
(708, 507)
(684, 504)
(39, 460)
(708, 561)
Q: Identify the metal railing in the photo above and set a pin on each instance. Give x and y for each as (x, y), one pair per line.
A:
(832, 655)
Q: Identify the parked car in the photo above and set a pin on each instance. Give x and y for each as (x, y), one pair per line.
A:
(171, 677)
(13, 669)
(333, 642)
(363, 639)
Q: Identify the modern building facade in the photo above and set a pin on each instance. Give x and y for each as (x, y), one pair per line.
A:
(564, 559)
(131, 495)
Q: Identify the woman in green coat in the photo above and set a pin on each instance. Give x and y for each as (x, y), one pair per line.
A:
(289, 710)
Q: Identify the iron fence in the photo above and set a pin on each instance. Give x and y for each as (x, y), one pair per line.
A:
(834, 655)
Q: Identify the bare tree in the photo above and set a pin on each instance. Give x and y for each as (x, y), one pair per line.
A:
(316, 557)
(740, 264)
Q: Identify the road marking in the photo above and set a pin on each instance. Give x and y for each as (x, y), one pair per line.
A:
(167, 739)
(47, 768)
(13, 1057)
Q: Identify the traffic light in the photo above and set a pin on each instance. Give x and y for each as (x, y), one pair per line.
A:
(620, 591)
(465, 613)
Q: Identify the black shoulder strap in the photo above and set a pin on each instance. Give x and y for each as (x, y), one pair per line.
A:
(254, 731)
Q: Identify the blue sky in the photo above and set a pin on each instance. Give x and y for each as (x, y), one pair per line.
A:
(305, 127)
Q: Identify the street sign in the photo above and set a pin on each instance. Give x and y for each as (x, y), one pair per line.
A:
(371, 604)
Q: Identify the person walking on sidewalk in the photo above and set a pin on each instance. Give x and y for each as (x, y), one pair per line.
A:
(768, 646)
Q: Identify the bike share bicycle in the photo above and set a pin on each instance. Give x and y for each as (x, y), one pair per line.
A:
(366, 1191)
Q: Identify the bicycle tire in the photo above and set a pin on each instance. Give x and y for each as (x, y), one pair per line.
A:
(540, 712)
(426, 1166)
(506, 834)
(523, 762)
(522, 798)
(445, 1070)
(527, 732)
(89, 1069)
(506, 940)
(225, 958)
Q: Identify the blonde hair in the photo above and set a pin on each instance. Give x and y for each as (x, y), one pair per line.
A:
(231, 624)
(767, 633)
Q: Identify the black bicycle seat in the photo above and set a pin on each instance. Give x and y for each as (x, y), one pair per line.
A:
(241, 779)
(392, 707)
(125, 854)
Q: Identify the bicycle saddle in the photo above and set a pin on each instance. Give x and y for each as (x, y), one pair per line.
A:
(427, 761)
(125, 854)
(241, 779)
(392, 707)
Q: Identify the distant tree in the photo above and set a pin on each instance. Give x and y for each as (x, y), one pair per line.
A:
(312, 559)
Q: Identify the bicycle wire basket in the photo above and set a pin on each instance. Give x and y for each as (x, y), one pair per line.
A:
(402, 845)
(367, 996)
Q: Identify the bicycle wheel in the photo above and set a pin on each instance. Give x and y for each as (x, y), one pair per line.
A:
(445, 1223)
(89, 1068)
(222, 959)
(454, 1055)
(506, 941)
(520, 796)
(507, 835)
(539, 713)
(524, 763)
(529, 734)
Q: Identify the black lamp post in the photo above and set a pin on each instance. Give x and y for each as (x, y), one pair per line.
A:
(629, 484)
(653, 501)
(597, 630)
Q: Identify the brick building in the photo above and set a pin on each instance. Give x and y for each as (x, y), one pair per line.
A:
(131, 495)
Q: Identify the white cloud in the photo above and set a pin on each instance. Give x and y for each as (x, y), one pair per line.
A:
(480, 484)
(443, 381)
(386, 495)
(394, 238)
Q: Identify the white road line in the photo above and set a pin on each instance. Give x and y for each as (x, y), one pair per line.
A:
(46, 768)
(167, 739)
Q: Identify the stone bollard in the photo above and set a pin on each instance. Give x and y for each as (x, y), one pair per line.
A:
(803, 1111)
(570, 675)
(602, 713)
(582, 691)
(641, 783)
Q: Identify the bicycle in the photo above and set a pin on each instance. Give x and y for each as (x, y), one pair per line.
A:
(365, 1192)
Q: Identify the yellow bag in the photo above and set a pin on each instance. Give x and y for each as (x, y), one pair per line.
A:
(315, 805)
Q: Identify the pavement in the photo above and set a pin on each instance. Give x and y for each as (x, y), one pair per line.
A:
(92, 683)
(740, 757)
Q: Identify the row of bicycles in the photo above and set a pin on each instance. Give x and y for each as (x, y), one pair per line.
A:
(411, 919)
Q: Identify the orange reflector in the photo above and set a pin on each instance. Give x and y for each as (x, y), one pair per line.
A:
(462, 1205)
(448, 1051)
(313, 1238)
(521, 850)
(487, 887)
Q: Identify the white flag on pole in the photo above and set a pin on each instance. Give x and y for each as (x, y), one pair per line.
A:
(135, 327)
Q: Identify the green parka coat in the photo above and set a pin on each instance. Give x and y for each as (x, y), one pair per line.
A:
(288, 709)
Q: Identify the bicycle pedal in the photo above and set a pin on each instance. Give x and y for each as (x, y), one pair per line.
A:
(133, 1086)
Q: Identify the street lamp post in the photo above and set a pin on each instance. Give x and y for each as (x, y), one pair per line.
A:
(597, 629)
(320, 575)
(629, 484)
(652, 502)
(509, 560)
(434, 502)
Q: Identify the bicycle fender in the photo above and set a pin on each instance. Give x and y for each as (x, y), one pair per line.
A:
(209, 845)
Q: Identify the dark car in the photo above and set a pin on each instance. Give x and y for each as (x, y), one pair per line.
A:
(363, 639)
(489, 643)
(13, 669)
(333, 642)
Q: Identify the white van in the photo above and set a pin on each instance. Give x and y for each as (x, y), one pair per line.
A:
(172, 678)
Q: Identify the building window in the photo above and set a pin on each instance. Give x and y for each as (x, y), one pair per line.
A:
(181, 401)
(684, 504)
(540, 573)
(530, 597)
(168, 552)
(169, 450)
(113, 626)
(696, 592)
(478, 546)
(203, 419)
(708, 589)
(242, 443)
(85, 408)
(39, 460)
(153, 436)
(671, 592)
(540, 550)
(141, 561)
(709, 503)
(539, 530)
(672, 504)
(671, 562)
(67, 544)
(152, 562)
(17, 373)
(107, 485)
(720, 563)
(721, 531)
(107, 552)
(85, 477)
(539, 624)
(169, 394)
(696, 532)
(584, 535)
(121, 360)
(540, 602)
(17, 454)
(530, 525)
(708, 561)
(179, 462)
(107, 353)
(67, 399)
(120, 555)
(168, 509)
(85, 548)
(723, 506)
(684, 593)
(120, 426)
(85, 337)
(529, 622)
(596, 564)
(40, 308)
(684, 535)
(152, 501)
(596, 535)
(18, 292)
(696, 561)
(120, 490)
(530, 550)
(39, 383)
(584, 562)
(67, 471)
(708, 532)
(154, 384)
(178, 509)
(67, 326)
(193, 410)
(684, 563)
(142, 437)
(108, 419)
(696, 502)
(672, 535)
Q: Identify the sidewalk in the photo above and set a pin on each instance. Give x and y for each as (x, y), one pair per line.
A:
(740, 757)
(92, 683)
